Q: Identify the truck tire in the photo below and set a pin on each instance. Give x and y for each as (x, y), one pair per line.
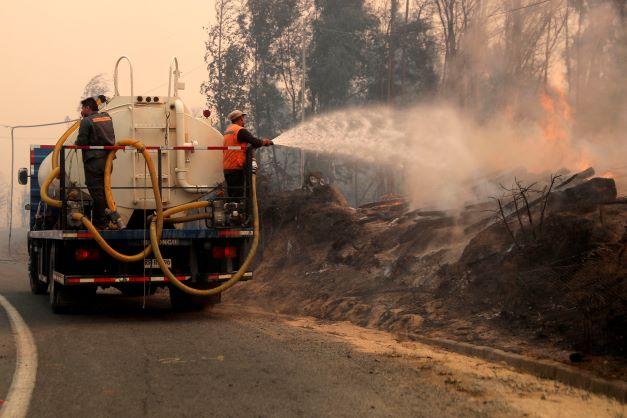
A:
(60, 297)
(37, 287)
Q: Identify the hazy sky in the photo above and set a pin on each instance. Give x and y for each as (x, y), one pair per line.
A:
(51, 49)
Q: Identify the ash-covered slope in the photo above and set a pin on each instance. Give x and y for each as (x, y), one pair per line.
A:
(555, 284)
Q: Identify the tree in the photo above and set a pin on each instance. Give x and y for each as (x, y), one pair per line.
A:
(226, 63)
(402, 66)
(456, 19)
(289, 50)
(96, 86)
(338, 51)
(264, 24)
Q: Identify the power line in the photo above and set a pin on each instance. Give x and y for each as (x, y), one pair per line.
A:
(29, 137)
(40, 125)
(13, 128)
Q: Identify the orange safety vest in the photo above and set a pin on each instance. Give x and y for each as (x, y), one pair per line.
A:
(233, 159)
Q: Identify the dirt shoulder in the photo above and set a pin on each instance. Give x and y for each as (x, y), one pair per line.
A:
(487, 388)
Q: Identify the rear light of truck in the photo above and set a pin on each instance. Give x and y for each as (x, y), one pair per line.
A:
(224, 252)
(87, 254)
(230, 252)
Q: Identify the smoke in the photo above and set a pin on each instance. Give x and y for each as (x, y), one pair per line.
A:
(599, 90)
(444, 157)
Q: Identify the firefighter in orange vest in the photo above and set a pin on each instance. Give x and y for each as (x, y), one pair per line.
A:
(235, 160)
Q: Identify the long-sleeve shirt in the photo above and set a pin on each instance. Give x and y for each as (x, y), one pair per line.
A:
(245, 136)
(95, 129)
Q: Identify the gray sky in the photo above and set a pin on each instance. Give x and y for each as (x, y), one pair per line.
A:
(51, 49)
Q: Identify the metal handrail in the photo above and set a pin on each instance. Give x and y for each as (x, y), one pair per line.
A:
(177, 74)
(116, 92)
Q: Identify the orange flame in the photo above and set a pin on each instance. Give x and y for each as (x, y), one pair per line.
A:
(556, 123)
(557, 116)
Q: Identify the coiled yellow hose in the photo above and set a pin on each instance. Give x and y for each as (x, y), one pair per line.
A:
(44, 189)
(61, 141)
(139, 146)
(154, 240)
(156, 227)
(56, 170)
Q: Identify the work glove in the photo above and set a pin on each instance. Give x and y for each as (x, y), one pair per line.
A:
(255, 167)
(267, 142)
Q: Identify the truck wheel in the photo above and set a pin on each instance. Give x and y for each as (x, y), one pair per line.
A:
(60, 297)
(184, 302)
(37, 287)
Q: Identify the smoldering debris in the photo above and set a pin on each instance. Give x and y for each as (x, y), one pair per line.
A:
(554, 282)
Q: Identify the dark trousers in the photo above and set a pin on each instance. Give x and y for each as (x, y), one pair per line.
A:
(235, 180)
(94, 179)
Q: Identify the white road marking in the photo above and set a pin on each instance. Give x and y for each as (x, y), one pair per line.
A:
(18, 399)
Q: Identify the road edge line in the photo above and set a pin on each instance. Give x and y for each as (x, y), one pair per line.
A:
(544, 369)
(18, 398)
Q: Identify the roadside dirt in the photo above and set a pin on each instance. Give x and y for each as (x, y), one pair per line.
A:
(483, 384)
(557, 292)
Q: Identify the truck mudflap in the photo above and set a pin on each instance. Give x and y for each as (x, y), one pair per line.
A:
(67, 280)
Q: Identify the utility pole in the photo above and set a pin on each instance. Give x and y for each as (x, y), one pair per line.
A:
(303, 78)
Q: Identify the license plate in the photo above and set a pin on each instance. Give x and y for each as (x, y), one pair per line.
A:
(151, 263)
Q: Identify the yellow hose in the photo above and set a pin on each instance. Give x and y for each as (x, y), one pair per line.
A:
(107, 182)
(44, 189)
(154, 240)
(56, 170)
(185, 219)
(159, 205)
(61, 141)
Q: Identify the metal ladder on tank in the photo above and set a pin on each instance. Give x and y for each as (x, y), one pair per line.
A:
(141, 177)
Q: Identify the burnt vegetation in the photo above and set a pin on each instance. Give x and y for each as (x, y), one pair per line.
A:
(540, 273)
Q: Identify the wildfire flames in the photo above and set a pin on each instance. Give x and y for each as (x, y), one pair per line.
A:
(556, 123)
(557, 115)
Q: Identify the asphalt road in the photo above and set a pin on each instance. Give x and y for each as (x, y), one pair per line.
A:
(123, 359)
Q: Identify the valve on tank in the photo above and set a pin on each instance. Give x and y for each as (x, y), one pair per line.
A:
(115, 218)
(73, 207)
(233, 213)
(219, 217)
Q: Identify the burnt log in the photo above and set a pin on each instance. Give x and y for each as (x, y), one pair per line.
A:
(586, 196)
(576, 179)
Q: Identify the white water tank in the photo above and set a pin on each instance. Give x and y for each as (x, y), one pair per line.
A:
(151, 123)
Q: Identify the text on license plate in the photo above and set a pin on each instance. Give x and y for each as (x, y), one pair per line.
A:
(151, 263)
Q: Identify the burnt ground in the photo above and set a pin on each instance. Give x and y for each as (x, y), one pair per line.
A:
(555, 288)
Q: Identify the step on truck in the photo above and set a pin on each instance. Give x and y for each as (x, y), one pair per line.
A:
(204, 243)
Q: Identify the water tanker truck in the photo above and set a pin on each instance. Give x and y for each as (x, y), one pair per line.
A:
(164, 191)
